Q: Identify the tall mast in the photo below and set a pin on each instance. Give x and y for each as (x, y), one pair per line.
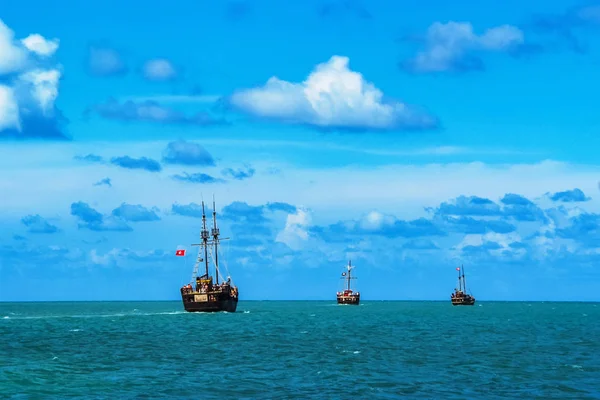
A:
(349, 272)
(463, 278)
(215, 235)
(459, 281)
(204, 236)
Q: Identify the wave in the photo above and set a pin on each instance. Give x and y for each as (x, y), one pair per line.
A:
(131, 314)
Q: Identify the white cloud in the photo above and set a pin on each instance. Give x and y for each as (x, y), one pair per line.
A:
(45, 86)
(159, 70)
(9, 109)
(38, 44)
(448, 44)
(331, 96)
(41, 84)
(13, 57)
(375, 221)
(294, 233)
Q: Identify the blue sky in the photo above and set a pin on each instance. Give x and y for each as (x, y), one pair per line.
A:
(409, 139)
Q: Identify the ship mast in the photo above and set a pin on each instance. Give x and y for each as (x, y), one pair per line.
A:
(215, 235)
(349, 273)
(204, 236)
(459, 281)
(463, 278)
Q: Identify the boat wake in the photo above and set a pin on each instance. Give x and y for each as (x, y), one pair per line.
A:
(132, 314)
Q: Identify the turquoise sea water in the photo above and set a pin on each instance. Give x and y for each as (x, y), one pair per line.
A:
(300, 350)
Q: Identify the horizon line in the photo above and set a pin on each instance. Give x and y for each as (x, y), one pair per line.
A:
(298, 300)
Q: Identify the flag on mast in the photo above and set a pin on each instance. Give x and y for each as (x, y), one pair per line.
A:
(458, 268)
(180, 253)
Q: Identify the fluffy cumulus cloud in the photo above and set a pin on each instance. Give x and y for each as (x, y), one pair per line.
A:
(30, 87)
(40, 45)
(295, 232)
(331, 97)
(159, 69)
(456, 47)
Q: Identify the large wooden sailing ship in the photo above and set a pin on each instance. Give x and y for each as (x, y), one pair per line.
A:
(460, 296)
(202, 294)
(347, 296)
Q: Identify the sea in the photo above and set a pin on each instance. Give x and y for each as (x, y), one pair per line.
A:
(300, 350)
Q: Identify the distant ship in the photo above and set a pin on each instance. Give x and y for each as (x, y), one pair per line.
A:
(202, 294)
(460, 296)
(347, 296)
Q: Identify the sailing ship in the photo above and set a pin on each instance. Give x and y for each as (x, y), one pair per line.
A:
(460, 296)
(347, 296)
(202, 294)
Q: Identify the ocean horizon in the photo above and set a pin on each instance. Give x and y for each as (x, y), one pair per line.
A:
(299, 300)
(286, 349)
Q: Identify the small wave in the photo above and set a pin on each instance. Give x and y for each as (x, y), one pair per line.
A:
(304, 332)
(312, 315)
(75, 330)
(574, 366)
(120, 315)
(246, 312)
(165, 313)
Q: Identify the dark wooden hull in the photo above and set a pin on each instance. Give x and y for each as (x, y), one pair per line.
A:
(209, 303)
(464, 301)
(351, 300)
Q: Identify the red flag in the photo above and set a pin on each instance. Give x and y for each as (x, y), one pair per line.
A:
(180, 253)
(457, 268)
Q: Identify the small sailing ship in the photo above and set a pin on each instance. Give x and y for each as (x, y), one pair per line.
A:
(203, 294)
(460, 296)
(347, 296)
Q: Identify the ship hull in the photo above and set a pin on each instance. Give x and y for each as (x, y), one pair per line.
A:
(350, 300)
(199, 303)
(463, 301)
